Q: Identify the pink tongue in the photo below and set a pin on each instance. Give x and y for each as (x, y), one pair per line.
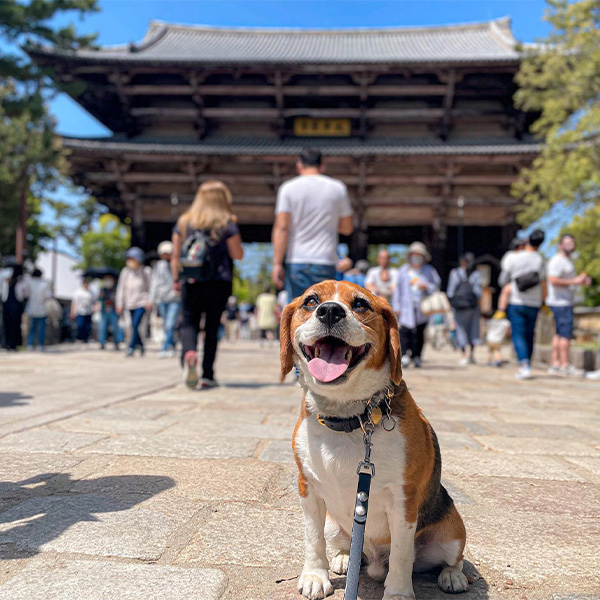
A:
(331, 363)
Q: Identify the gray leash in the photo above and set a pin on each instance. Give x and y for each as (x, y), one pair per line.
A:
(366, 470)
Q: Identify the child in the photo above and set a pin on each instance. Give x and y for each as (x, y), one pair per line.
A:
(497, 328)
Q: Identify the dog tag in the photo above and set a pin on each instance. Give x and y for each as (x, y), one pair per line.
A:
(376, 415)
(389, 423)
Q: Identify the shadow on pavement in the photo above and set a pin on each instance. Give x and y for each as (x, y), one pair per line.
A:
(424, 584)
(256, 384)
(13, 399)
(38, 510)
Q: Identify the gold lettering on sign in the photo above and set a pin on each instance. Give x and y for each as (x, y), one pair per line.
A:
(311, 127)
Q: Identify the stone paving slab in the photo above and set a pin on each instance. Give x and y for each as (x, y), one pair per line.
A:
(47, 440)
(95, 580)
(181, 446)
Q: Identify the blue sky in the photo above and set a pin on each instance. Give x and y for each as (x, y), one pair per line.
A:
(122, 21)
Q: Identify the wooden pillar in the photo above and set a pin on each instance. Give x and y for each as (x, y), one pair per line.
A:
(138, 227)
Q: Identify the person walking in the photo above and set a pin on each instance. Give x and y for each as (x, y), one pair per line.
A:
(414, 281)
(108, 313)
(37, 291)
(13, 296)
(381, 279)
(82, 307)
(232, 313)
(562, 280)
(165, 297)
(526, 272)
(266, 306)
(206, 240)
(133, 295)
(464, 291)
(311, 210)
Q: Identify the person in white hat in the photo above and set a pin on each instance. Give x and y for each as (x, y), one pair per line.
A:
(167, 300)
(415, 280)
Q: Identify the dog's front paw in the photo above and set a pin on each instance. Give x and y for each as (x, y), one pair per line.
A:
(339, 564)
(452, 580)
(315, 584)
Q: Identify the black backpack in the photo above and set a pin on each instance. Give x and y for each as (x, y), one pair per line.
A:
(195, 260)
(464, 297)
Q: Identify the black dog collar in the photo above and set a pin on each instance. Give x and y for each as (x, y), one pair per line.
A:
(377, 402)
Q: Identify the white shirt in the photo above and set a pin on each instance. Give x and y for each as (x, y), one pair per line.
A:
(316, 204)
(383, 288)
(37, 291)
(84, 301)
(521, 263)
(562, 267)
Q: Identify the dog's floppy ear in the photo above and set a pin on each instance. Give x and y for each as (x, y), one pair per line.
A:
(285, 338)
(393, 341)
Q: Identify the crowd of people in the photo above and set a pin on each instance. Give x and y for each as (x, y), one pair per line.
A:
(190, 286)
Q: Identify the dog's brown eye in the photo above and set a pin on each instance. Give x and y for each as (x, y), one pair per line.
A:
(311, 302)
(360, 305)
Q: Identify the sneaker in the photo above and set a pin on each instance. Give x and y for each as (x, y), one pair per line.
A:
(102, 346)
(524, 372)
(417, 362)
(498, 363)
(129, 352)
(471, 360)
(405, 362)
(142, 350)
(207, 384)
(170, 353)
(556, 371)
(593, 375)
(162, 354)
(463, 362)
(190, 369)
(571, 371)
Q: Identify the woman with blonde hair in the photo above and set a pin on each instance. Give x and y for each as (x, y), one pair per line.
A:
(205, 239)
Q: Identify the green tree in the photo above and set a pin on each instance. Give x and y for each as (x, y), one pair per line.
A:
(31, 157)
(560, 79)
(586, 229)
(106, 244)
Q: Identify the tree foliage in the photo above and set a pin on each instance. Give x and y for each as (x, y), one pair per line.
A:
(106, 244)
(560, 79)
(32, 160)
(586, 230)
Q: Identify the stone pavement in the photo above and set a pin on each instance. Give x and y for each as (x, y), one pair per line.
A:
(116, 482)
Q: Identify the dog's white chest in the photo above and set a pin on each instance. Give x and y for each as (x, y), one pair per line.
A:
(330, 460)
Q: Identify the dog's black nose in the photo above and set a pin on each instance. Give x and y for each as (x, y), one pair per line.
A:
(330, 313)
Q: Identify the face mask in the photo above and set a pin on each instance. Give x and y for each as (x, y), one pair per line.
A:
(416, 260)
(108, 283)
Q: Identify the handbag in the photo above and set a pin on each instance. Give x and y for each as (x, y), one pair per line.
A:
(435, 303)
(528, 281)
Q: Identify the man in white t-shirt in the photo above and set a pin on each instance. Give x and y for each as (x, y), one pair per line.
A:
(381, 279)
(312, 209)
(562, 280)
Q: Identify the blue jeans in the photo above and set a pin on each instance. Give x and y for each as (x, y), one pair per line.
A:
(299, 277)
(522, 320)
(169, 311)
(37, 325)
(136, 319)
(109, 319)
(84, 327)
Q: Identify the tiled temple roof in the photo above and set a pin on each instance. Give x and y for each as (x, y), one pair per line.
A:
(266, 146)
(490, 41)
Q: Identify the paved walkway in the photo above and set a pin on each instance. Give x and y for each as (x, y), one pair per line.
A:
(116, 482)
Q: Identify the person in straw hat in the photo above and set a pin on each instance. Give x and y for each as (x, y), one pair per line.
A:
(414, 281)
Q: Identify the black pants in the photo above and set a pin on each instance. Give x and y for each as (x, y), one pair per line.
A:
(208, 298)
(412, 339)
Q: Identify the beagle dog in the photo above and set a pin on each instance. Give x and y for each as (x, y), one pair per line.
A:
(345, 343)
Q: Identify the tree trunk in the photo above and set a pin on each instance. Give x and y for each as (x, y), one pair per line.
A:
(21, 238)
